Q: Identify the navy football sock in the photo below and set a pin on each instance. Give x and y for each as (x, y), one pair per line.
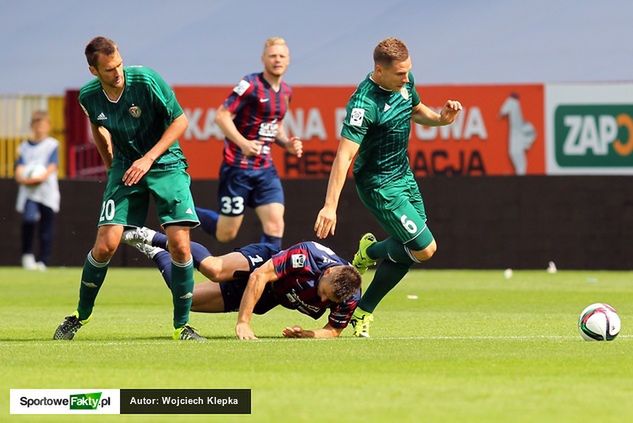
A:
(199, 252)
(270, 239)
(159, 240)
(163, 262)
(208, 220)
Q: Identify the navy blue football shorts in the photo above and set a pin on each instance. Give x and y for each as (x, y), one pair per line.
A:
(241, 188)
(232, 291)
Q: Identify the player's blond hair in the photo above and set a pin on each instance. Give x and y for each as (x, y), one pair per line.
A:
(390, 50)
(274, 41)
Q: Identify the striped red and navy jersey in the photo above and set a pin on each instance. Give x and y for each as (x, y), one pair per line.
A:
(258, 110)
(299, 269)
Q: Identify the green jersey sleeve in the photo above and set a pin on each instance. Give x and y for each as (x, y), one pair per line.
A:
(361, 114)
(165, 97)
(85, 93)
(415, 97)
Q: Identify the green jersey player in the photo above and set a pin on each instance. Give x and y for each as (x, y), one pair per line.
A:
(377, 127)
(136, 121)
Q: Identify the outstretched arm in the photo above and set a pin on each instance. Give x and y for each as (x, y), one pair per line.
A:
(326, 219)
(326, 332)
(424, 115)
(253, 292)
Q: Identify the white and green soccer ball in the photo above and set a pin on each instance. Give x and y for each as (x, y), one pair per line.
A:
(599, 322)
(34, 170)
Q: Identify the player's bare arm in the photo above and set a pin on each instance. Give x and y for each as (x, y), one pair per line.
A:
(140, 167)
(103, 142)
(224, 119)
(424, 115)
(297, 332)
(326, 219)
(253, 292)
(294, 145)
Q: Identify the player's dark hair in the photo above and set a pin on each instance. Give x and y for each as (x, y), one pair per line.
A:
(390, 50)
(97, 46)
(345, 281)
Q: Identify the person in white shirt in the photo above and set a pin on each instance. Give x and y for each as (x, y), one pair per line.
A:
(38, 195)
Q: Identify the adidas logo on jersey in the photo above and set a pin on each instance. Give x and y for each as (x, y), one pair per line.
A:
(387, 107)
(189, 211)
(101, 116)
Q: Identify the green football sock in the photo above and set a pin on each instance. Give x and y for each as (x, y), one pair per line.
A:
(387, 275)
(390, 249)
(92, 278)
(182, 291)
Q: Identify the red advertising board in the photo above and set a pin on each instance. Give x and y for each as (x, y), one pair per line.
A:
(499, 132)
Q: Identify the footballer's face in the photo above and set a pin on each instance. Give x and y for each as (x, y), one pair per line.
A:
(276, 59)
(394, 76)
(109, 70)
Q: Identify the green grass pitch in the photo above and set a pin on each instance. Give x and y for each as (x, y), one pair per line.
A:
(473, 347)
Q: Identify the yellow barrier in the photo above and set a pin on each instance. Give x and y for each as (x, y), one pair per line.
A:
(15, 116)
(8, 154)
(56, 110)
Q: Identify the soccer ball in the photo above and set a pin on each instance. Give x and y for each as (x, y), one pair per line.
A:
(599, 322)
(34, 170)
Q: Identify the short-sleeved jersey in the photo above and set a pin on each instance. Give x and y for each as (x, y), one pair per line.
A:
(380, 121)
(138, 119)
(299, 269)
(258, 110)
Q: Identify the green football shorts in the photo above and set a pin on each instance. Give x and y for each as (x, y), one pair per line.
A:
(399, 209)
(127, 205)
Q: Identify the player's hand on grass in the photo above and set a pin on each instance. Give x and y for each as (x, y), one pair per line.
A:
(244, 331)
(252, 148)
(138, 169)
(295, 146)
(450, 111)
(325, 222)
(293, 332)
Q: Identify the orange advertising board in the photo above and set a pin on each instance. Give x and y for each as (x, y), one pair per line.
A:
(499, 132)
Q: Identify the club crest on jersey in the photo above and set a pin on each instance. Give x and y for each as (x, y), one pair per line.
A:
(404, 93)
(135, 111)
(298, 260)
(356, 117)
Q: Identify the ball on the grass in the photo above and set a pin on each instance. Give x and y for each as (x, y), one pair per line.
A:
(599, 322)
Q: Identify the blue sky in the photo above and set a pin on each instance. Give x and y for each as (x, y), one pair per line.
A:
(216, 42)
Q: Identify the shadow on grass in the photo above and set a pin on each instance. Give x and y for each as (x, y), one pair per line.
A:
(126, 340)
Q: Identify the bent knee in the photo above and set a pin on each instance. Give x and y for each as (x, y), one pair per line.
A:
(426, 253)
(213, 270)
(103, 250)
(275, 228)
(180, 250)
